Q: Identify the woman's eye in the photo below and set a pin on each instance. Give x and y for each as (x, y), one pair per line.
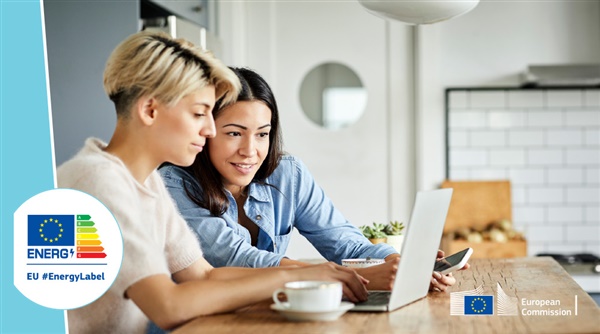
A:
(263, 134)
(233, 134)
(199, 115)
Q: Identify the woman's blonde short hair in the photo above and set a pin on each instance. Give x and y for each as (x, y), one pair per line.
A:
(157, 65)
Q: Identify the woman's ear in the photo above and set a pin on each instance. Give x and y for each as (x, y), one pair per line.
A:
(146, 110)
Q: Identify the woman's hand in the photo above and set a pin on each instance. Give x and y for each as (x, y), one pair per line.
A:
(441, 282)
(354, 285)
(381, 276)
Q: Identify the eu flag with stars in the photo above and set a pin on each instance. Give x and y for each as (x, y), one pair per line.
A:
(51, 230)
(479, 305)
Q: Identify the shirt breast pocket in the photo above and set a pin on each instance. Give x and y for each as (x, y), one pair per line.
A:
(282, 241)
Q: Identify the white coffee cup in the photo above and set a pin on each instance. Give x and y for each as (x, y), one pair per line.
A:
(361, 263)
(315, 296)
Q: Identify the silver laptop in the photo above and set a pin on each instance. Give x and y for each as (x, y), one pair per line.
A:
(419, 251)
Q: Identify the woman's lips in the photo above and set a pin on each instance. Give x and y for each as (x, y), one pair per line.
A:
(198, 147)
(243, 168)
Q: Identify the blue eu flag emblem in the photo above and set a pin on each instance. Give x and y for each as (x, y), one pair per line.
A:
(51, 230)
(479, 305)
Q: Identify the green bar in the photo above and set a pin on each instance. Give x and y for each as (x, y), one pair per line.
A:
(86, 230)
(84, 223)
(83, 217)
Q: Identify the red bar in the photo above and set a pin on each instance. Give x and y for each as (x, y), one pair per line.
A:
(91, 255)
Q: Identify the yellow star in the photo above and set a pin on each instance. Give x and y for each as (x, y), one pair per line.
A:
(41, 230)
(41, 235)
(45, 239)
(50, 240)
(41, 225)
(59, 225)
(50, 219)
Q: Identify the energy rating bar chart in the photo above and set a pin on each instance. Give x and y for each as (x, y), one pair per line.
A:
(88, 241)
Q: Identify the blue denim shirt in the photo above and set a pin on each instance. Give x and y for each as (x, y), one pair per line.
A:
(292, 199)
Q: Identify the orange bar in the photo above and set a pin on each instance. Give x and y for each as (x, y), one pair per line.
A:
(90, 249)
(89, 242)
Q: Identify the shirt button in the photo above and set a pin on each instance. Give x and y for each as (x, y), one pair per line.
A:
(259, 217)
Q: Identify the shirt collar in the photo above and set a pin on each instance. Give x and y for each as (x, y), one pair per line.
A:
(259, 192)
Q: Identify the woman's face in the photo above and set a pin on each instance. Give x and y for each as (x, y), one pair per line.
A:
(241, 143)
(183, 128)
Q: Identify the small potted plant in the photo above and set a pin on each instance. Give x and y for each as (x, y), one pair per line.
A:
(374, 233)
(393, 230)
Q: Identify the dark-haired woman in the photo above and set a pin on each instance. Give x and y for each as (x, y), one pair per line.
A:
(243, 196)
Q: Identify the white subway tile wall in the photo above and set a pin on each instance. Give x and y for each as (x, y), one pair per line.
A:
(506, 119)
(591, 98)
(592, 176)
(527, 99)
(547, 143)
(592, 137)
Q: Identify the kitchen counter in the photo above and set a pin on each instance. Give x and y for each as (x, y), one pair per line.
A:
(530, 282)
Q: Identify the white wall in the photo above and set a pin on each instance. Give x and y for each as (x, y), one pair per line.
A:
(489, 46)
(361, 167)
(547, 143)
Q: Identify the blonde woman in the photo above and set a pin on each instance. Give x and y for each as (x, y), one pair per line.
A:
(164, 90)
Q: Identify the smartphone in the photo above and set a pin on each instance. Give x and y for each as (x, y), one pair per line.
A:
(453, 262)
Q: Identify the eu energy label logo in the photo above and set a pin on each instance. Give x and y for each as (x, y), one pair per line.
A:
(68, 248)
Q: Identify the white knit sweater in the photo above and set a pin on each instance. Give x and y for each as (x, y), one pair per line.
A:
(156, 240)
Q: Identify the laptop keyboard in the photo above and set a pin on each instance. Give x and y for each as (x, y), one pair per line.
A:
(377, 298)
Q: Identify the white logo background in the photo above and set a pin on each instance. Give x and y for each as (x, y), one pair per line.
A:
(64, 293)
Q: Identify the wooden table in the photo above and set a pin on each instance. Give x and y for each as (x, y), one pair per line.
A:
(536, 278)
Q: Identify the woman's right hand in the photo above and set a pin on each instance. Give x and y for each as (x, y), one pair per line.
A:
(354, 285)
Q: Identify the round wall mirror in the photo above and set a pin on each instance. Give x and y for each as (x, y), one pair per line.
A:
(332, 96)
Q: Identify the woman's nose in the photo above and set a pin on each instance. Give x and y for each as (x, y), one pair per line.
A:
(248, 148)
(209, 130)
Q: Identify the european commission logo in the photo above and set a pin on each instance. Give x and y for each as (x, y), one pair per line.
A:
(479, 305)
(474, 302)
(51, 230)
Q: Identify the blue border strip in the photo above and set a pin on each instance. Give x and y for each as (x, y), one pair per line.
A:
(25, 152)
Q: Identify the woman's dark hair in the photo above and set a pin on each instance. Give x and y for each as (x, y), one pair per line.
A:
(212, 196)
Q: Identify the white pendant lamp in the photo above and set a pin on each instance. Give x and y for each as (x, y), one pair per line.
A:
(419, 11)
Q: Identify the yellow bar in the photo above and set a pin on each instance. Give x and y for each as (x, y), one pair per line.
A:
(87, 236)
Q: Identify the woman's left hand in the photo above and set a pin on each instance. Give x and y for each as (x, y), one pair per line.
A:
(441, 282)
(381, 276)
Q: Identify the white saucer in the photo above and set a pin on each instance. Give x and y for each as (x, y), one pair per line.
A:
(296, 315)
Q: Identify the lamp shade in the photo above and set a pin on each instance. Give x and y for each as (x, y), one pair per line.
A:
(419, 11)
